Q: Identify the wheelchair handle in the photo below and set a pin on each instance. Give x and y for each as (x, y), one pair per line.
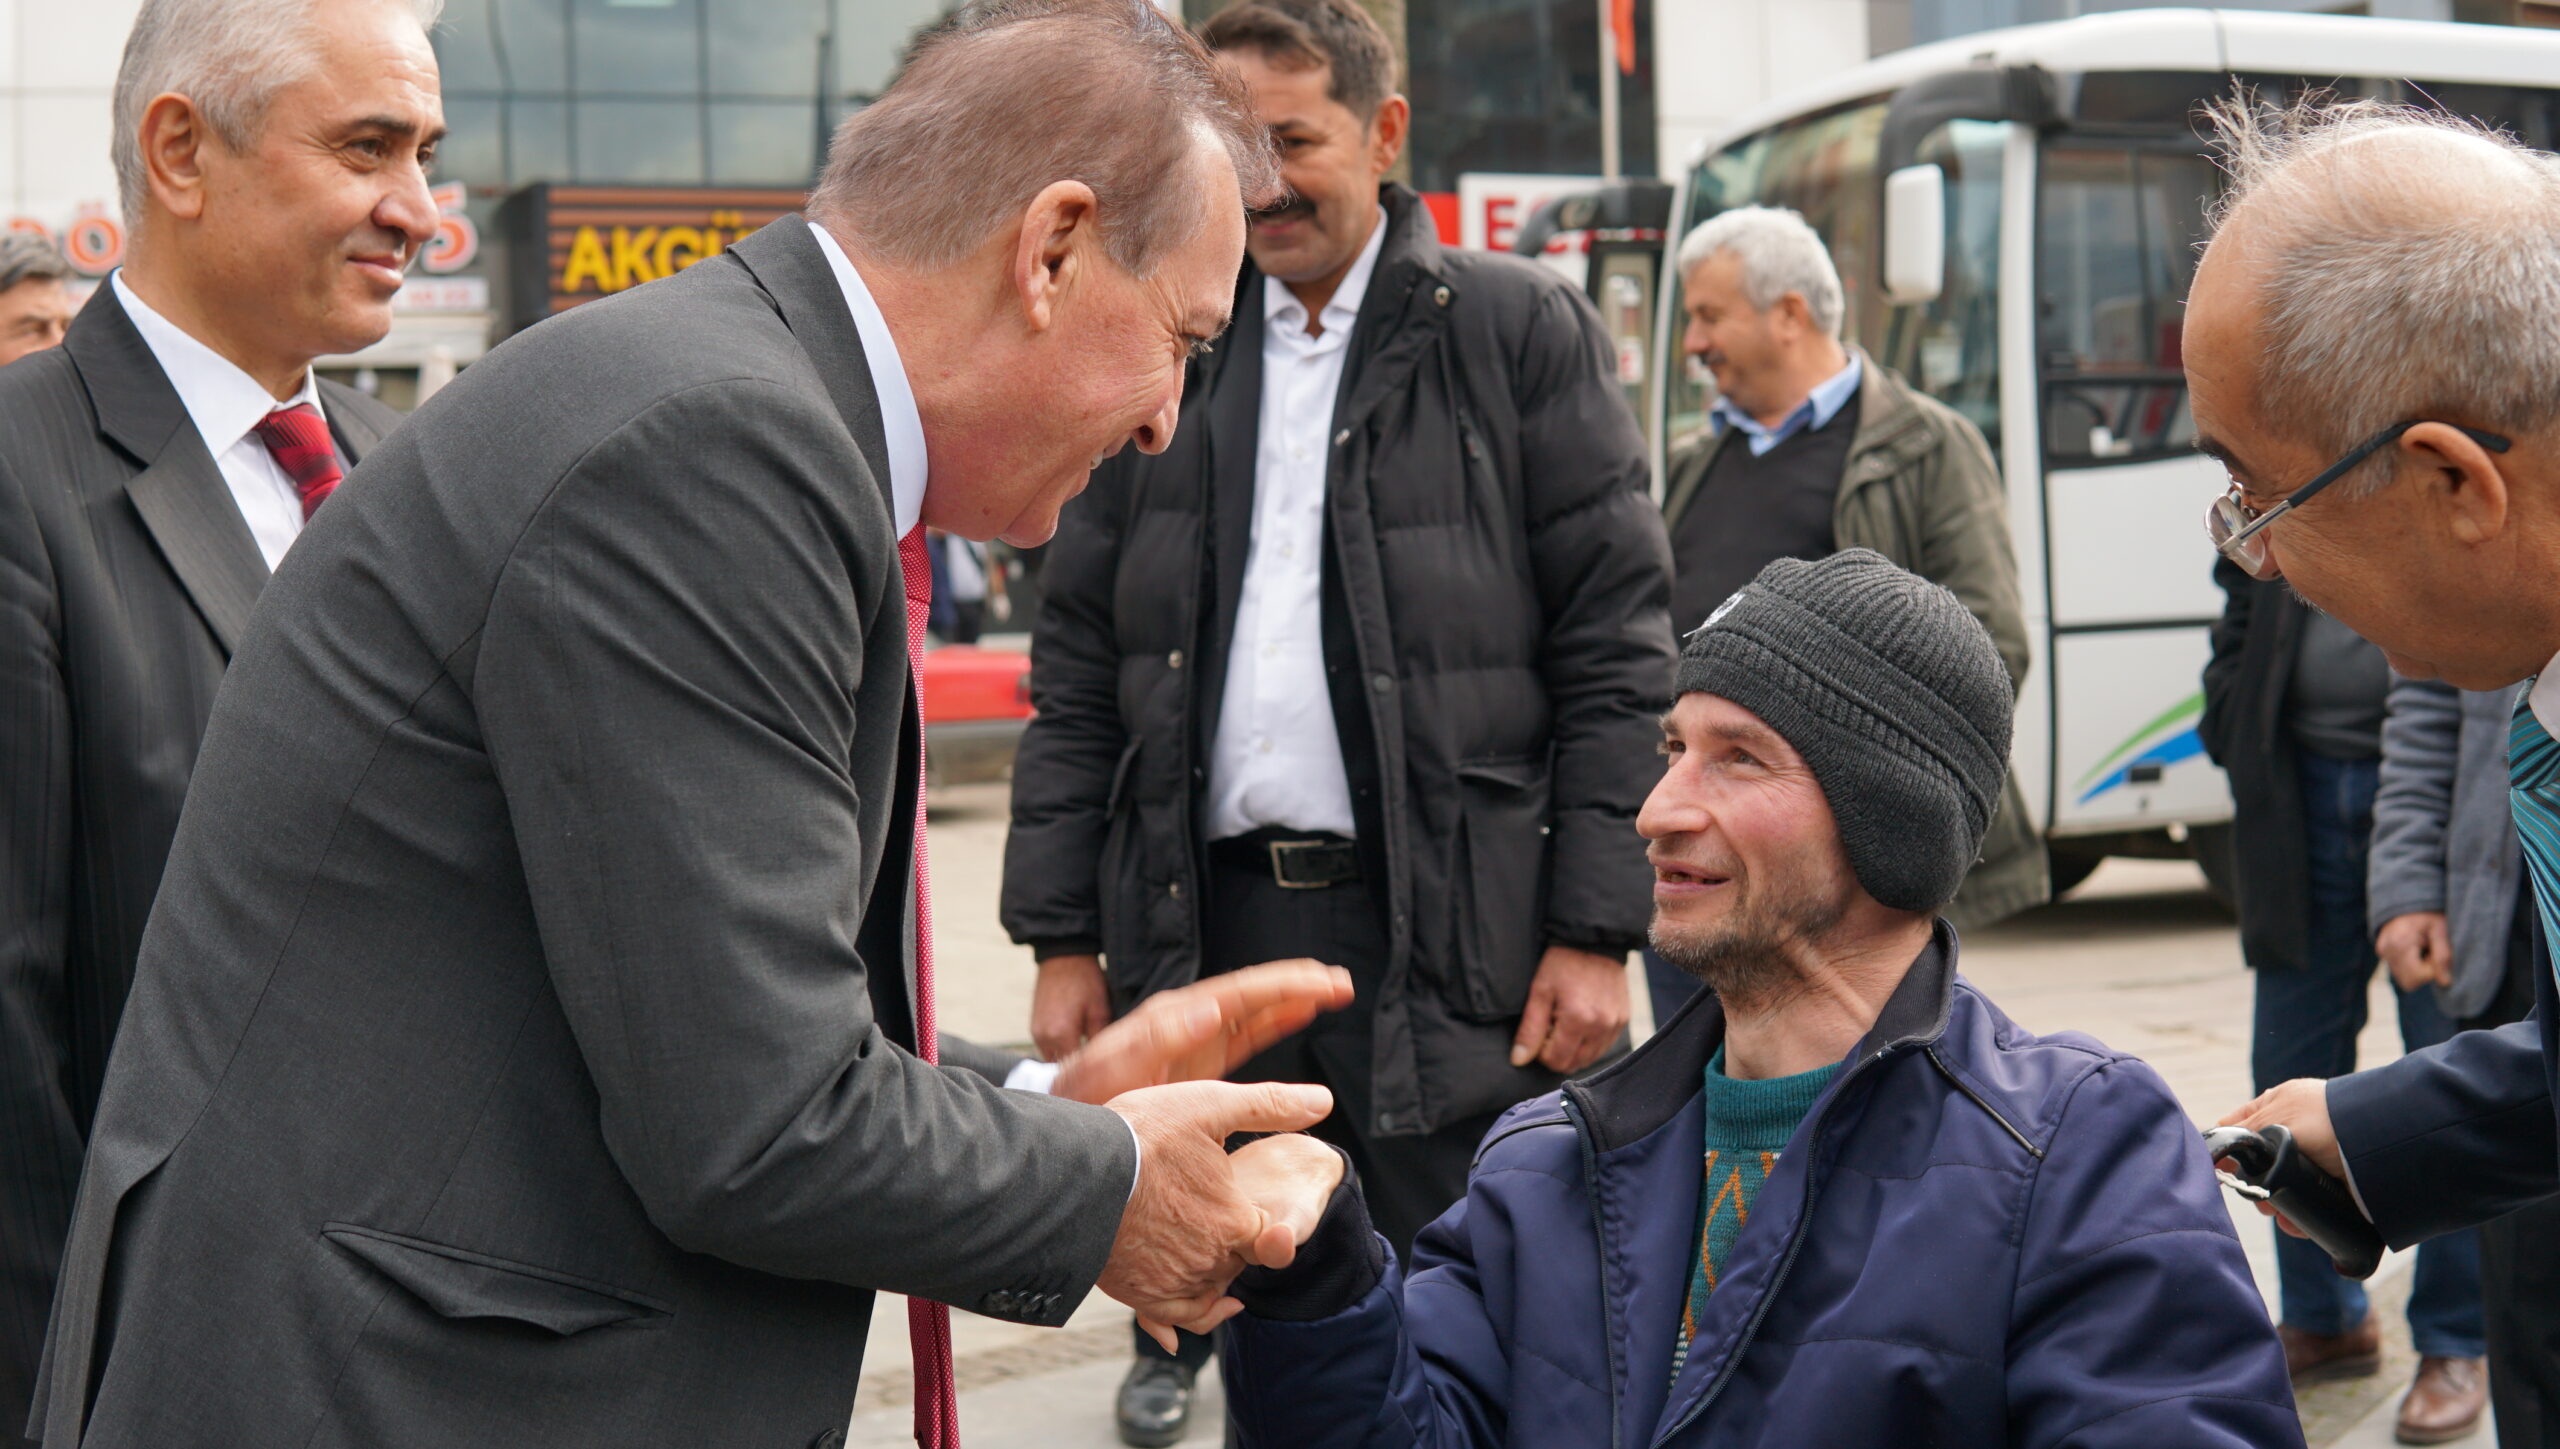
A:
(2269, 1164)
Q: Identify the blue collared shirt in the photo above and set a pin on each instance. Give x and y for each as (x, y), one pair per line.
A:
(1818, 409)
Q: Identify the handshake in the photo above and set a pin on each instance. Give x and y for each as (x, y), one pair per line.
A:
(1200, 1215)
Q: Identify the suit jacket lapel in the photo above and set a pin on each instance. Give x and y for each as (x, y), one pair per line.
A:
(179, 492)
(354, 433)
(785, 258)
(786, 261)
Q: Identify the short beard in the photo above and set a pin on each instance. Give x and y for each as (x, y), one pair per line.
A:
(1751, 959)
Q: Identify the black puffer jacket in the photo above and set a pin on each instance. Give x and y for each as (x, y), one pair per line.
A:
(1498, 638)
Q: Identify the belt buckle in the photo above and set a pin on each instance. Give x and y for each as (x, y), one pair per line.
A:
(1281, 851)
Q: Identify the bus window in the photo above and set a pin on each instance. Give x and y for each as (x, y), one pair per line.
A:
(1950, 348)
(2118, 230)
(1823, 166)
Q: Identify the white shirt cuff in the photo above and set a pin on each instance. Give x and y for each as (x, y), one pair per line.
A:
(1031, 1075)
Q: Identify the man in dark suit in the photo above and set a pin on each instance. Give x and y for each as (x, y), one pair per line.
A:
(2370, 348)
(533, 1041)
(152, 470)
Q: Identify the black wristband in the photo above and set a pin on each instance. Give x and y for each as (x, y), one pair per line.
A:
(1066, 946)
(1336, 1266)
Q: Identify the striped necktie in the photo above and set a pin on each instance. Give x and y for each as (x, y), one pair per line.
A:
(937, 1420)
(2533, 792)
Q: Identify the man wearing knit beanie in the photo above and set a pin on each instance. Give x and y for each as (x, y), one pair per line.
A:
(1840, 1198)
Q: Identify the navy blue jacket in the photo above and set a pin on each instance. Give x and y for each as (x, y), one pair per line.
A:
(2463, 1132)
(1977, 1237)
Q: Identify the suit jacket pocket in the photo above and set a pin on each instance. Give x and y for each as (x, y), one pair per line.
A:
(458, 1283)
(1498, 886)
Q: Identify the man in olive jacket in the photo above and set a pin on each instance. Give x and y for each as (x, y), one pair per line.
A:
(1366, 665)
(1817, 448)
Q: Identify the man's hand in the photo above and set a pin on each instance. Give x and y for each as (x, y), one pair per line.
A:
(1070, 1005)
(1577, 1007)
(1290, 1177)
(2418, 949)
(2301, 1106)
(1201, 1031)
(1188, 1229)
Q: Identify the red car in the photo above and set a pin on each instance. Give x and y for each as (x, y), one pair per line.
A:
(976, 702)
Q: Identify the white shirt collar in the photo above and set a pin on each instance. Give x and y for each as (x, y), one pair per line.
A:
(1281, 309)
(899, 420)
(2545, 698)
(223, 401)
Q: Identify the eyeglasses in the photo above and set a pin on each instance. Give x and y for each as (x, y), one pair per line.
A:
(2234, 526)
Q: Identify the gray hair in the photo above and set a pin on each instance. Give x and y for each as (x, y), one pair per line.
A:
(230, 57)
(2409, 267)
(1012, 97)
(1779, 252)
(28, 256)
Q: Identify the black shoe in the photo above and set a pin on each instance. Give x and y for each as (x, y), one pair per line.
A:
(1155, 1403)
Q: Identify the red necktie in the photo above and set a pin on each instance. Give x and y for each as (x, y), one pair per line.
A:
(299, 441)
(928, 1322)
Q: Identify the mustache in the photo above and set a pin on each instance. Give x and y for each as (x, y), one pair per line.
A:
(1289, 207)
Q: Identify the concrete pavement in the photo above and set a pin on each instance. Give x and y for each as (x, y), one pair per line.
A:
(2139, 957)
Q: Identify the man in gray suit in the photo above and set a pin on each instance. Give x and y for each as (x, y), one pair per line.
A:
(532, 1043)
(153, 468)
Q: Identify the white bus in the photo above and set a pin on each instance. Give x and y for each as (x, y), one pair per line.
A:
(2015, 216)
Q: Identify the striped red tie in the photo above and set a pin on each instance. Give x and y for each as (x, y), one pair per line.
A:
(928, 1323)
(298, 439)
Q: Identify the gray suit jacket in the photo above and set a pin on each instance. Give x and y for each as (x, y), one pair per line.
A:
(517, 1054)
(126, 576)
(2443, 836)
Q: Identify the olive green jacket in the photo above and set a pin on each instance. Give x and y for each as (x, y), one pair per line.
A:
(1921, 489)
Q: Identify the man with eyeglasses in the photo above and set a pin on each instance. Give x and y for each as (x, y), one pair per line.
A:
(2373, 346)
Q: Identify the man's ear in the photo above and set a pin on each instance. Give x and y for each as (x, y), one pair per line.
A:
(173, 138)
(1387, 133)
(1794, 316)
(1055, 247)
(2463, 477)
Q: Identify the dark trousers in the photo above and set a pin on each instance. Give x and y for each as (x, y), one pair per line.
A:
(2307, 1021)
(1409, 1178)
(2520, 1257)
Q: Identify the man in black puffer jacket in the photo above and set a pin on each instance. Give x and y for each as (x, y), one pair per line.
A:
(1365, 666)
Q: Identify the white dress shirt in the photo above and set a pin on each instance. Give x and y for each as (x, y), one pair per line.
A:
(2545, 698)
(1277, 757)
(226, 404)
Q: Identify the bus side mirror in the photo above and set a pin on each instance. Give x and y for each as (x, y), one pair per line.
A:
(1915, 234)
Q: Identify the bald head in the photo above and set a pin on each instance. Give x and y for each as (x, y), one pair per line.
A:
(2383, 263)
(2372, 266)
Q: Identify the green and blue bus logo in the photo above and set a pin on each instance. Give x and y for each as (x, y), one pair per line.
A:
(2165, 740)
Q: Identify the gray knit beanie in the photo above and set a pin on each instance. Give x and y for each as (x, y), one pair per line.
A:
(1893, 694)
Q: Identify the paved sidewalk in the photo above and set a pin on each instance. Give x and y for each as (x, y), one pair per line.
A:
(2139, 957)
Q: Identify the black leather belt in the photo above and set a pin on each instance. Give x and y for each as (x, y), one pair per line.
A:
(1296, 862)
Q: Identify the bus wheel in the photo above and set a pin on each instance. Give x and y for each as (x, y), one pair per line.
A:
(2069, 868)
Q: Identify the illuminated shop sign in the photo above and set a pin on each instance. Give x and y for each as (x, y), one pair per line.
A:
(573, 244)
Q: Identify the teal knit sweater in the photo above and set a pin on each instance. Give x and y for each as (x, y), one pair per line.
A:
(1748, 1124)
